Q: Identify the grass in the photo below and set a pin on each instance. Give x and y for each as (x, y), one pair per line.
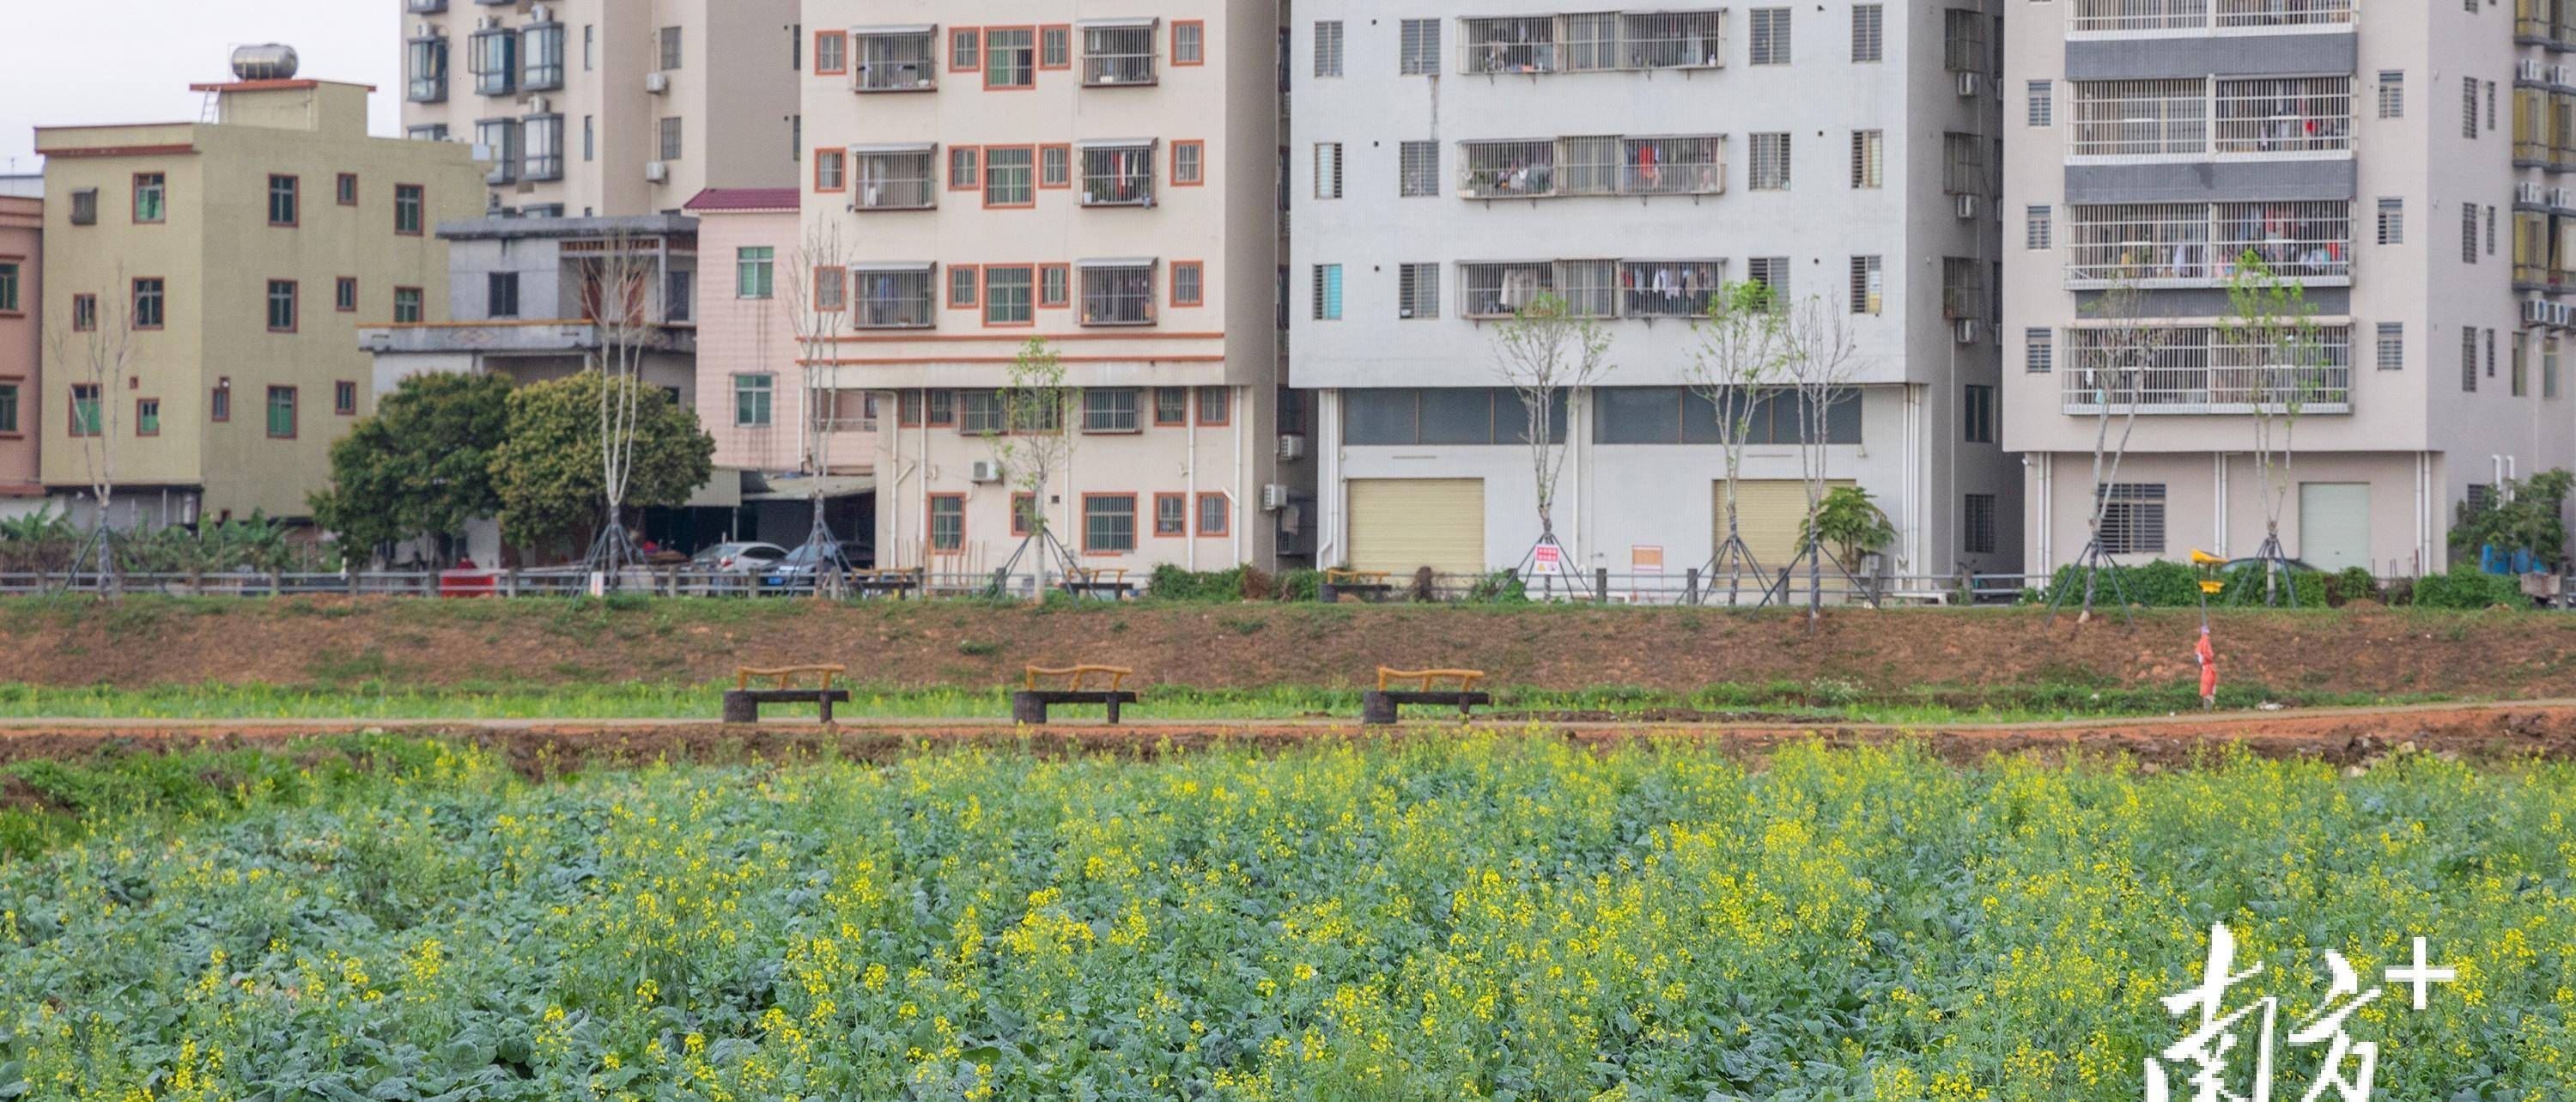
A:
(1822, 699)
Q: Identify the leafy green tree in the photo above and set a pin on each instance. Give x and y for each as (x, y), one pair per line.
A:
(1849, 520)
(2519, 516)
(548, 469)
(421, 467)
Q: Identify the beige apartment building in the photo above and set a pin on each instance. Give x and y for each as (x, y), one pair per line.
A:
(242, 254)
(608, 107)
(22, 297)
(2395, 162)
(1101, 177)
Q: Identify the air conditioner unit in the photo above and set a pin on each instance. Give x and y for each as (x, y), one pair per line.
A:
(1968, 83)
(1292, 520)
(985, 470)
(657, 172)
(541, 13)
(2562, 74)
(657, 83)
(2562, 197)
(2527, 192)
(1967, 205)
(487, 22)
(2534, 311)
(2562, 315)
(1963, 330)
(540, 105)
(429, 30)
(2529, 70)
(1292, 446)
(1274, 497)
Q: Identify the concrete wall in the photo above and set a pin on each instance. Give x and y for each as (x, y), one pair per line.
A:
(2403, 503)
(22, 225)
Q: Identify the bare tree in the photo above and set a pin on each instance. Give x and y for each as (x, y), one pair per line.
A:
(817, 284)
(1741, 339)
(2271, 351)
(97, 351)
(1820, 358)
(617, 290)
(1546, 352)
(1027, 434)
(2111, 361)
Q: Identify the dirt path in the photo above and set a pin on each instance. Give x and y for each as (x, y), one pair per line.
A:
(2487, 732)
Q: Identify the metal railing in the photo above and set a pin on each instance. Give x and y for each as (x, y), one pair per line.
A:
(2154, 16)
(1121, 176)
(1118, 296)
(1114, 56)
(2140, 118)
(895, 63)
(1673, 166)
(1669, 288)
(2285, 115)
(2199, 244)
(2266, 116)
(894, 181)
(2199, 370)
(1511, 44)
(1542, 168)
(892, 300)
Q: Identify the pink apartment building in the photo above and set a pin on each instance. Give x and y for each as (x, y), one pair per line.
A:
(22, 221)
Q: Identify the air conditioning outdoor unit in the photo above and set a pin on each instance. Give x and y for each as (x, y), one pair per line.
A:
(657, 171)
(1274, 497)
(487, 22)
(2527, 192)
(429, 30)
(2562, 74)
(657, 83)
(1292, 446)
(2534, 311)
(1968, 84)
(541, 13)
(985, 470)
(1963, 330)
(1967, 205)
(2529, 69)
(540, 105)
(1292, 520)
(2562, 197)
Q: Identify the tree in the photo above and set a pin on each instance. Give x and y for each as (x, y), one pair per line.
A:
(1820, 357)
(421, 467)
(617, 289)
(817, 283)
(97, 359)
(1734, 365)
(2271, 354)
(1850, 521)
(1028, 439)
(2518, 516)
(548, 470)
(2111, 361)
(1545, 352)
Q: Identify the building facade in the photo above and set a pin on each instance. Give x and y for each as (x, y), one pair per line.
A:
(1449, 164)
(233, 261)
(1102, 182)
(608, 107)
(2394, 166)
(22, 318)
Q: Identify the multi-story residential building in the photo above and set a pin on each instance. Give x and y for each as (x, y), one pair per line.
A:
(1102, 181)
(22, 297)
(1451, 162)
(243, 253)
(608, 107)
(2399, 165)
(796, 441)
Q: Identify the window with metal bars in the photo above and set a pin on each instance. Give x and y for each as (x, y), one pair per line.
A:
(2039, 351)
(894, 181)
(1963, 41)
(1111, 409)
(1514, 44)
(2392, 221)
(1977, 535)
(2042, 110)
(1669, 288)
(1418, 168)
(2468, 233)
(2468, 359)
(1977, 408)
(1328, 48)
(1118, 176)
(897, 62)
(2035, 228)
(1868, 158)
(1420, 47)
(1124, 55)
(1868, 34)
(1769, 168)
(1865, 285)
(1963, 288)
(1771, 272)
(1328, 170)
(1118, 294)
(2392, 94)
(2391, 353)
(1770, 36)
(2468, 107)
(1417, 291)
(1328, 292)
(1963, 169)
(2133, 518)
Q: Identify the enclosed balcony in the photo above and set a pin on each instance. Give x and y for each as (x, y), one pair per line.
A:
(894, 177)
(1117, 292)
(891, 296)
(895, 59)
(1117, 173)
(2160, 18)
(2200, 244)
(1118, 53)
(2257, 118)
(1595, 42)
(2205, 369)
(1545, 168)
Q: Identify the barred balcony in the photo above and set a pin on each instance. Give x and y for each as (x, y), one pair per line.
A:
(2256, 118)
(1545, 168)
(893, 177)
(2200, 244)
(895, 59)
(1587, 42)
(2182, 370)
(2165, 18)
(2545, 23)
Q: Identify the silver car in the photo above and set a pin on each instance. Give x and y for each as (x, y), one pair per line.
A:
(737, 558)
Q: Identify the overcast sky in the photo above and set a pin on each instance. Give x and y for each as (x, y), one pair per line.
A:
(117, 61)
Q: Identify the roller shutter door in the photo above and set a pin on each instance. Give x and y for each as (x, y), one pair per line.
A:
(1400, 525)
(2334, 524)
(1767, 512)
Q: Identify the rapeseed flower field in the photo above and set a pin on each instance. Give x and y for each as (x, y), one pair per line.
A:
(1495, 917)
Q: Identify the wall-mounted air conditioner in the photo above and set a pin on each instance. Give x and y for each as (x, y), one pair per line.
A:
(657, 172)
(1274, 497)
(540, 105)
(2527, 192)
(1967, 205)
(984, 470)
(2534, 311)
(541, 13)
(2529, 70)
(1292, 520)
(1968, 83)
(2562, 197)
(657, 83)
(1292, 446)
(2562, 74)
(1963, 330)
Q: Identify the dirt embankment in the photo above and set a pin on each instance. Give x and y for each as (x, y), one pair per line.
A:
(302, 641)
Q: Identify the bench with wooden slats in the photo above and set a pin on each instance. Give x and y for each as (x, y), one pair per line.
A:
(1369, 584)
(1381, 706)
(742, 702)
(1029, 705)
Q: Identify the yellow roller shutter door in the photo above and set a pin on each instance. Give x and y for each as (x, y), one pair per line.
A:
(1400, 525)
(1767, 512)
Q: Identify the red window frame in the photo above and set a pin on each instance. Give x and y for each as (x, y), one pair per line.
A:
(135, 297)
(1045, 29)
(156, 417)
(344, 190)
(974, 174)
(350, 285)
(294, 303)
(930, 410)
(844, 38)
(1040, 168)
(1198, 404)
(958, 35)
(219, 404)
(72, 418)
(833, 151)
(295, 423)
(135, 199)
(78, 301)
(1199, 267)
(1175, 46)
(1034, 46)
(1199, 180)
(1183, 499)
(1039, 292)
(826, 275)
(929, 525)
(1198, 514)
(907, 414)
(344, 389)
(984, 297)
(420, 196)
(1181, 421)
(418, 295)
(976, 272)
(1021, 504)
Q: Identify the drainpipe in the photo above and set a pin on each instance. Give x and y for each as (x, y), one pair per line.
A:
(2218, 482)
(1328, 476)
(1243, 440)
(1190, 491)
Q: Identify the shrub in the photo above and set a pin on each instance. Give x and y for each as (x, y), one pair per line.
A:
(2163, 584)
(1499, 587)
(2353, 583)
(1300, 585)
(2468, 587)
(1172, 583)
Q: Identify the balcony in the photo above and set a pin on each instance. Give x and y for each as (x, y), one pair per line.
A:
(895, 59)
(2546, 24)
(893, 177)
(2160, 18)
(1596, 42)
(1561, 167)
(891, 296)
(2197, 244)
(561, 336)
(425, 68)
(1117, 174)
(2183, 370)
(1117, 292)
(2260, 118)
(1118, 54)
(1602, 289)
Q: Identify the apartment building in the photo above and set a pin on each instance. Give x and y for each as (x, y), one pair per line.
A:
(1449, 163)
(608, 107)
(2402, 166)
(243, 254)
(1101, 178)
(22, 297)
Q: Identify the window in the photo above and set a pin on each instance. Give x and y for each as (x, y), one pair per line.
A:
(1417, 291)
(1681, 415)
(2491, 353)
(425, 69)
(9, 288)
(84, 313)
(1417, 168)
(1216, 513)
(85, 411)
(2549, 367)
(1010, 57)
(1771, 272)
(151, 299)
(1216, 406)
(2392, 221)
(752, 398)
(281, 306)
(1328, 170)
(541, 57)
(947, 524)
(85, 207)
(1116, 55)
(1977, 536)
(1328, 48)
(281, 413)
(670, 41)
(589, 139)
(589, 47)
(755, 271)
(1055, 47)
(501, 137)
(2035, 228)
(1118, 175)
(962, 286)
(1055, 166)
(1111, 409)
(2039, 351)
(1187, 161)
(901, 180)
(1189, 42)
(407, 305)
(1771, 36)
(1108, 524)
(1171, 515)
(679, 290)
(2043, 105)
(1448, 415)
(1117, 293)
(541, 147)
(1010, 176)
(1868, 36)
(151, 197)
(2392, 94)
(965, 50)
(344, 398)
(410, 203)
(1189, 283)
(2468, 107)
(1770, 169)
(1980, 411)
(671, 143)
(1328, 292)
(2133, 518)
(1024, 513)
(830, 170)
(2521, 366)
(219, 404)
(2468, 233)
(1055, 286)
(1007, 288)
(501, 295)
(492, 55)
(344, 189)
(965, 168)
(2392, 345)
(2491, 233)
(2468, 359)
(1868, 158)
(1419, 47)
(1963, 164)
(1865, 285)
(942, 405)
(9, 409)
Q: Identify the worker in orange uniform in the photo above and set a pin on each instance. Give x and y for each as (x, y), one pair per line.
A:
(2208, 657)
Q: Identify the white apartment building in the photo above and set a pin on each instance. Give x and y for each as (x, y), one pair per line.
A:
(1447, 162)
(1099, 176)
(2404, 165)
(608, 108)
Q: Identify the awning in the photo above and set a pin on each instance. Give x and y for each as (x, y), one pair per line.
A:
(915, 28)
(1117, 262)
(895, 147)
(723, 490)
(802, 487)
(1114, 143)
(905, 266)
(1113, 24)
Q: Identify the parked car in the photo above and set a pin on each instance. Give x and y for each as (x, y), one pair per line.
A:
(737, 558)
(798, 568)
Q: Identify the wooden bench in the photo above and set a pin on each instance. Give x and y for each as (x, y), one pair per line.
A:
(1379, 706)
(890, 581)
(1109, 582)
(1029, 705)
(742, 702)
(1371, 585)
